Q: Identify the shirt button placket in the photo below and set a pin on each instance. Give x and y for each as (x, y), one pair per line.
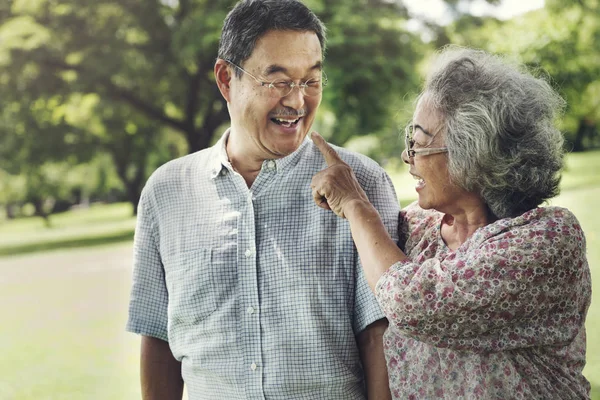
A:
(248, 265)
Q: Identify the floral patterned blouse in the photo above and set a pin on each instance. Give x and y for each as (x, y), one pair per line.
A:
(501, 317)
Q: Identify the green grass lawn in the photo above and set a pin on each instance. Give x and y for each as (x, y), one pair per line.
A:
(582, 202)
(62, 331)
(98, 225)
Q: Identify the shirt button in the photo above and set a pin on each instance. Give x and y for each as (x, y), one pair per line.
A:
(248, 253)
(223, 172)
(253, 366)
(271, 164)
(250, 310)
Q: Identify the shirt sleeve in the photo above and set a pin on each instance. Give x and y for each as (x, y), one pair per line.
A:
(382, 195)
(149, 298)
(524, 286)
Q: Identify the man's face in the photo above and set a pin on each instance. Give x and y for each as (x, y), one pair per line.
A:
(265, 127)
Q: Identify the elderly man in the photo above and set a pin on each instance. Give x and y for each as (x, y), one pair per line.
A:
(242, 287)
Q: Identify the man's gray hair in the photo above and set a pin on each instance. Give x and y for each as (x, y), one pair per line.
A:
(251, 19)
(500, 124)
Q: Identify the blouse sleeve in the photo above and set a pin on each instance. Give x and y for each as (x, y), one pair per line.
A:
(524, 283)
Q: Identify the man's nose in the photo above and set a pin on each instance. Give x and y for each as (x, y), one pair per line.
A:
(294, 99)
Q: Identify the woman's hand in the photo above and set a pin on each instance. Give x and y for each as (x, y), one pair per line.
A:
(335, 188)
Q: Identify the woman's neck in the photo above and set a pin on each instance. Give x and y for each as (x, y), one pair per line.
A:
(458, 226)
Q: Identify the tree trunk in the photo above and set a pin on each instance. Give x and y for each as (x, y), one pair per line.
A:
(41, 212)
(201, 138)
(587, 128)
(133, 195)
(198, 140)
(11, 212)
(578, 141)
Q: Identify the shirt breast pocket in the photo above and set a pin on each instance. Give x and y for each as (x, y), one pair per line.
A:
(189, 283)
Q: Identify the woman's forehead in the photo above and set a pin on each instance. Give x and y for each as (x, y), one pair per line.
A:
(427, 117)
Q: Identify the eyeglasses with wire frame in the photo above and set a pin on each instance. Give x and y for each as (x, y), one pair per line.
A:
(409, 143)
(281, 88)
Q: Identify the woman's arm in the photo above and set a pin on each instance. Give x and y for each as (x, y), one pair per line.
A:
(376, 249)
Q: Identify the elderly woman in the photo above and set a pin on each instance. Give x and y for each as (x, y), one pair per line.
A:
(488, 293)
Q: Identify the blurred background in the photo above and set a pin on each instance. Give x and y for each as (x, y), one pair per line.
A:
(96, 94)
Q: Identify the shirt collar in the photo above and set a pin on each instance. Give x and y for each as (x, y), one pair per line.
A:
(220, 160)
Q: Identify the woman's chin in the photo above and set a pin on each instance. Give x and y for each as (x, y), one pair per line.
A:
(423, 203)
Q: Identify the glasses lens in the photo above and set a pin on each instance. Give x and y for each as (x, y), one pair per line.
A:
(280, 88)
(311, 87)
(408, 134)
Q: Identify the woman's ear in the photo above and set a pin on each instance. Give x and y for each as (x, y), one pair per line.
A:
(223, 77)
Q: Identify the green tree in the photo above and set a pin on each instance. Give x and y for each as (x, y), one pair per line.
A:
(124, 76)
(561, 40)
(118, 76)
(149, 57)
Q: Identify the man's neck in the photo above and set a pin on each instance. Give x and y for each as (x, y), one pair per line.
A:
(247, 165)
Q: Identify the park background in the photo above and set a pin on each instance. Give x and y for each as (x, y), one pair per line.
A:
(95, 94)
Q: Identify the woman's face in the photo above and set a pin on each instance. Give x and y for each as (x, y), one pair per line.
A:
(434, 186)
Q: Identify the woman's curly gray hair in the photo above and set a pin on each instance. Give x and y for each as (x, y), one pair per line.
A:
(500, 129)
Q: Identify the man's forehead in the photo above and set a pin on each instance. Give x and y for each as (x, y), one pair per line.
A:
(277, 50)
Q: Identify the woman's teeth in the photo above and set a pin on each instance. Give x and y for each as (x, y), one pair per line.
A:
(420, 181)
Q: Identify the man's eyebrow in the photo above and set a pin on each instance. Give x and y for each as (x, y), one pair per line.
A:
(275, 68)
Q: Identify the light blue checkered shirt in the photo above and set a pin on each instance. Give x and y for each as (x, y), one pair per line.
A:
(258, 291)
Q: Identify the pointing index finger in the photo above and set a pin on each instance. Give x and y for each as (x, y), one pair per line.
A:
(331, 157)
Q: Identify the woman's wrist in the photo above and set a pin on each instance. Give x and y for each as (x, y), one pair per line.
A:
(360, 208)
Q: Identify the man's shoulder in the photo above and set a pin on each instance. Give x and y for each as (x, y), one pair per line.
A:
(190, 166)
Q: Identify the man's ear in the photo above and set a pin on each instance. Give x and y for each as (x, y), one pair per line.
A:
(223, 75)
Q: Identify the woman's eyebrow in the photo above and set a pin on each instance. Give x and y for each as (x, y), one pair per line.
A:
(417, 126)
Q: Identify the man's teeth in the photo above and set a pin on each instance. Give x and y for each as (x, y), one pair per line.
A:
(286, 122)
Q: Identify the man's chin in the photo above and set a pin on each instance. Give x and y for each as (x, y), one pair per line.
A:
(285, 149)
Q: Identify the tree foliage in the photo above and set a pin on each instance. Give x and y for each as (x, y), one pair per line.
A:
(131, 81)
(125, 77)
(108, 76)
(562, 41)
